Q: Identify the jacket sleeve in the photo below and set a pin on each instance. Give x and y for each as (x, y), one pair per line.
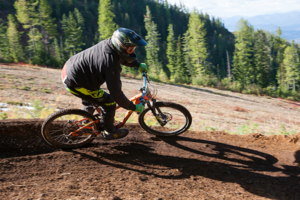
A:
(114, 85)
(133, 64)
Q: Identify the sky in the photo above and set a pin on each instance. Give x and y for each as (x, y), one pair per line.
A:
(247, 8)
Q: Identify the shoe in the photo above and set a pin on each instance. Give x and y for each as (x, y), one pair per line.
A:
(116, 134)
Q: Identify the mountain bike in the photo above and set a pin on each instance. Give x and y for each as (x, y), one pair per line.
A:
(73, 128)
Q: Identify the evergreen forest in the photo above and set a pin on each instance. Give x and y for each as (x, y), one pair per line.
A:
(184, 46)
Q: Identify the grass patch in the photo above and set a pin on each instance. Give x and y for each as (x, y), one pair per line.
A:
(285, 132)
(47, 90)
(16, 103)
(247, 128)
(38, 107)
(3, 115)
(210, 128)
(40, 111)
(25, 88)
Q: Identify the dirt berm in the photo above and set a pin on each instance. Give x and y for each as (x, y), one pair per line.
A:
(194, 165)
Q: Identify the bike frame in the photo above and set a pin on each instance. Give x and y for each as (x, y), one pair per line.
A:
(138, 99)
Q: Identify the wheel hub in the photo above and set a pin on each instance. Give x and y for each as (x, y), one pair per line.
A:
(166, 117)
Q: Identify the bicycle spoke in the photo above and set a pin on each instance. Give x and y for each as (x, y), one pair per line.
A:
(60, 128)
(57, 136)
(169, 119)
(51, 133)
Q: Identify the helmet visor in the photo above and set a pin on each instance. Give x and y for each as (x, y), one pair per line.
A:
(130, 50)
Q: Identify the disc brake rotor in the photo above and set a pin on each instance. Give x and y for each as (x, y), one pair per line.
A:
(166, 117)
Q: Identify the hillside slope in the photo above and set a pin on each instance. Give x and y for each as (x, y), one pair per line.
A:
(211, 109)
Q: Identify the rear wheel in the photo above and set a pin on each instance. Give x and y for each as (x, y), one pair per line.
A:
(169, 119)
(57, 128)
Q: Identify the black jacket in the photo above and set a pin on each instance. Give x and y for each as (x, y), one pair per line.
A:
(98, 64)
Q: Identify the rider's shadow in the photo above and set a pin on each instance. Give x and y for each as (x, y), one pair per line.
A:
(253, 170)
(293, 171)
(297, 158)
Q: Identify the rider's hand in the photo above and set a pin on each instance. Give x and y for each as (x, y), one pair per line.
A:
(139, 108)
(143, 67)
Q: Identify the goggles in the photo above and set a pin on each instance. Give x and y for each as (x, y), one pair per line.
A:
(130, 50)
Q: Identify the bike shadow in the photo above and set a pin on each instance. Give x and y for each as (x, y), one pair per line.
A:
(251, 169)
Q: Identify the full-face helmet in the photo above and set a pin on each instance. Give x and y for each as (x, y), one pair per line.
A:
(125, 41)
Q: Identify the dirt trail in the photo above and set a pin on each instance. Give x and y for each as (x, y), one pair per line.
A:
(195, 165)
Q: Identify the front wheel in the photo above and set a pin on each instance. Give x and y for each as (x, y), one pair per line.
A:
(168, 119)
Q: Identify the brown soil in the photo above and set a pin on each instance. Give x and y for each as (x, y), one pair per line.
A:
(194, 165)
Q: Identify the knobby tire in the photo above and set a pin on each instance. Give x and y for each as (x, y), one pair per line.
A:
(48, 123)
(161, 105)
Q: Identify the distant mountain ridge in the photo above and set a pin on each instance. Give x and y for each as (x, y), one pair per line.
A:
(288, 22)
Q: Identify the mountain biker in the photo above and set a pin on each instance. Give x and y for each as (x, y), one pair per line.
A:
(85, 72)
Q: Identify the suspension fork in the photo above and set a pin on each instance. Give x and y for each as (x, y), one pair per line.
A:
(153, 108)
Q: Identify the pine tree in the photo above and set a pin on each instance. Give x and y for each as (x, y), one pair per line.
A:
(186, 53)
(228, 65)
(39, 48)
(261, 59)
(127, 20)
(26, 12)
(278, 66)
(167, 13)
(105, 22)
(152, 48)
(13, 35)
(4, 50)
(57, 8)
(221, 55)
(27, 16)
(47, 23)
(73, 35)
(243, 69)
(171, 51)
(164, 14)
(197, 44)
(79, 19)
(57, 53)
(292, 65)
(64, 22)
(48, 27)
(181, 74)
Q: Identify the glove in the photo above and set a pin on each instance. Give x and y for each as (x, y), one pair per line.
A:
(139, 108)
(143, 67)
